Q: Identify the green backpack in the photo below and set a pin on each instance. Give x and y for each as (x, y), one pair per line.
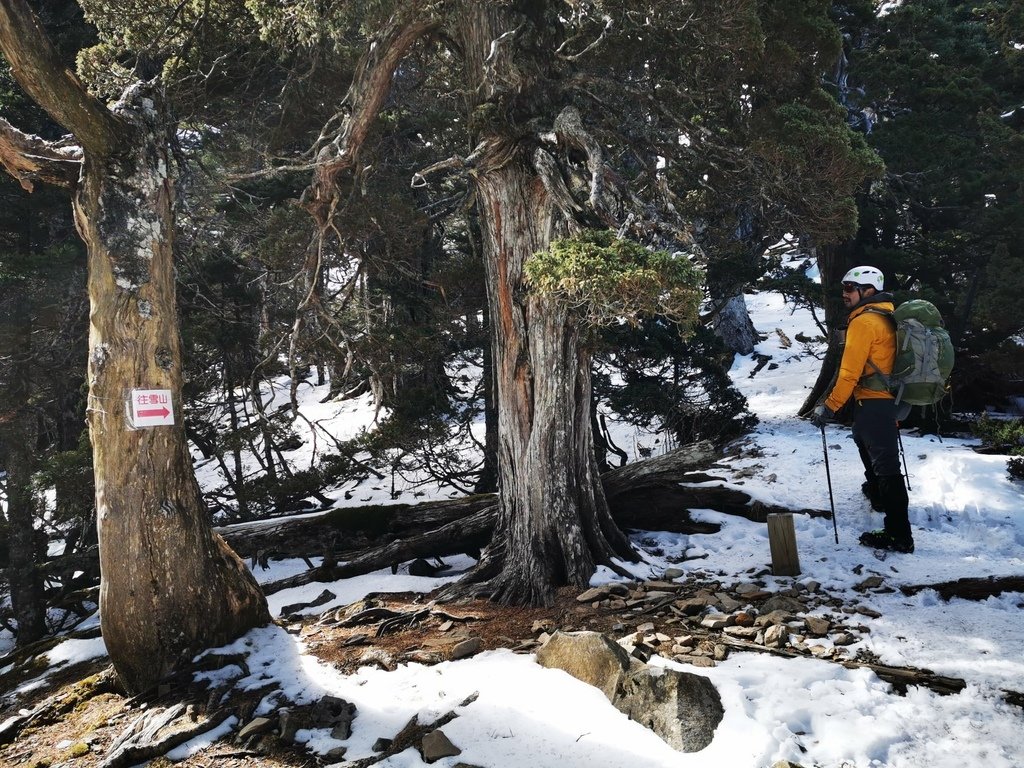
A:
(924, 355)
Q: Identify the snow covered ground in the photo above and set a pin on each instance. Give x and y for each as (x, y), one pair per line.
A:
(968, 521)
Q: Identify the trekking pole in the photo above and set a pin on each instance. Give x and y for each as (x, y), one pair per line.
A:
(828, 477)
(906, 473)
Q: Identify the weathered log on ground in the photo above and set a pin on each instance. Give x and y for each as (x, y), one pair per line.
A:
(654, 494)
(355, 529)
(646, 495)
(453, 538)
(899, 677)
(349, 529)
(659, 470)
(980, 588)
(666, 507)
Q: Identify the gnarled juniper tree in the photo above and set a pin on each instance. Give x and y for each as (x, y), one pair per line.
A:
(169, 586)
(668, 123)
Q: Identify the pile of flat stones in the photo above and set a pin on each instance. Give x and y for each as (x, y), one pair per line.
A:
(698, 620)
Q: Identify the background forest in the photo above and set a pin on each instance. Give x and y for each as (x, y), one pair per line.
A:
(616, 175)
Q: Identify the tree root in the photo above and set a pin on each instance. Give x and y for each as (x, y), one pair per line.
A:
(57, 706)
(139, 742)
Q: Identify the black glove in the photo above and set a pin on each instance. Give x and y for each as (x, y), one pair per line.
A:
(822, 415)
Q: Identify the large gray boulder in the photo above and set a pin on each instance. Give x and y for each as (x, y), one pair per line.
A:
(682, 708)
(588, 656)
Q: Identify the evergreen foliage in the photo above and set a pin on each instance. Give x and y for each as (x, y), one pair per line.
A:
(946, 221)
(606, 279)
(654, 378)
(1004, 436)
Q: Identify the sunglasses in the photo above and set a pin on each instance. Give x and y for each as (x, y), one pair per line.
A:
(850, 287)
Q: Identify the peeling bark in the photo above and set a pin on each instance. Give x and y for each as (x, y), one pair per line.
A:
(554, 525)
(169, 586)
(30, 159)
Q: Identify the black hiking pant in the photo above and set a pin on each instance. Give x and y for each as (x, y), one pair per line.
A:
(876, 434)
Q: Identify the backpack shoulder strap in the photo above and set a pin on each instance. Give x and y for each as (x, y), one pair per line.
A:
(878, 380)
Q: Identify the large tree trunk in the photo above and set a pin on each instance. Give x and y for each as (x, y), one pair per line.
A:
(169, 585)
(832, 265)
(553, 525)
(18, 431)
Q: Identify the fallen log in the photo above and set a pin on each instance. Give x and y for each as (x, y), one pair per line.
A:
(356, 528)
(641, 496)
(979, 588)
(453, 538)
(654, 494)
(898, 677)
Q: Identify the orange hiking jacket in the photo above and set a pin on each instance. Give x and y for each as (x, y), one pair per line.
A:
(868, 335)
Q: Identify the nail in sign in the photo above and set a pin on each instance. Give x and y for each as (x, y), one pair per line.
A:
(151, 408)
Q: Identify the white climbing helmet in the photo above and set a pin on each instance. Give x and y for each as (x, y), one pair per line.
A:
(865, 276)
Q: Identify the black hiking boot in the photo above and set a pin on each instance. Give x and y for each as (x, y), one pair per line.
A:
(884, 540)
(870, 489)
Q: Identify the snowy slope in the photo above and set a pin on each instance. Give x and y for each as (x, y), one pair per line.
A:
(968, 521)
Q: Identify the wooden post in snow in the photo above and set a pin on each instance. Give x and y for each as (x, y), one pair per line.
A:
(782, 540)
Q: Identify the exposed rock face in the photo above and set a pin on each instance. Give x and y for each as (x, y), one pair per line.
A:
(682, 708)
(588, 656)
(733, 326)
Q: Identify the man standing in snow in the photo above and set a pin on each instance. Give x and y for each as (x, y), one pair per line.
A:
(870, 349)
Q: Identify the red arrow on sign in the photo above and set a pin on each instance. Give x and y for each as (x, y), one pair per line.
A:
(162, 412)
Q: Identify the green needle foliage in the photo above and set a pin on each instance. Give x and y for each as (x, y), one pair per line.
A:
(606, 279)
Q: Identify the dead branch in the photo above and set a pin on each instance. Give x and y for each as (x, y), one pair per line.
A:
(980, 588)
(453, 538)
(30, 159)
(366, 95)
